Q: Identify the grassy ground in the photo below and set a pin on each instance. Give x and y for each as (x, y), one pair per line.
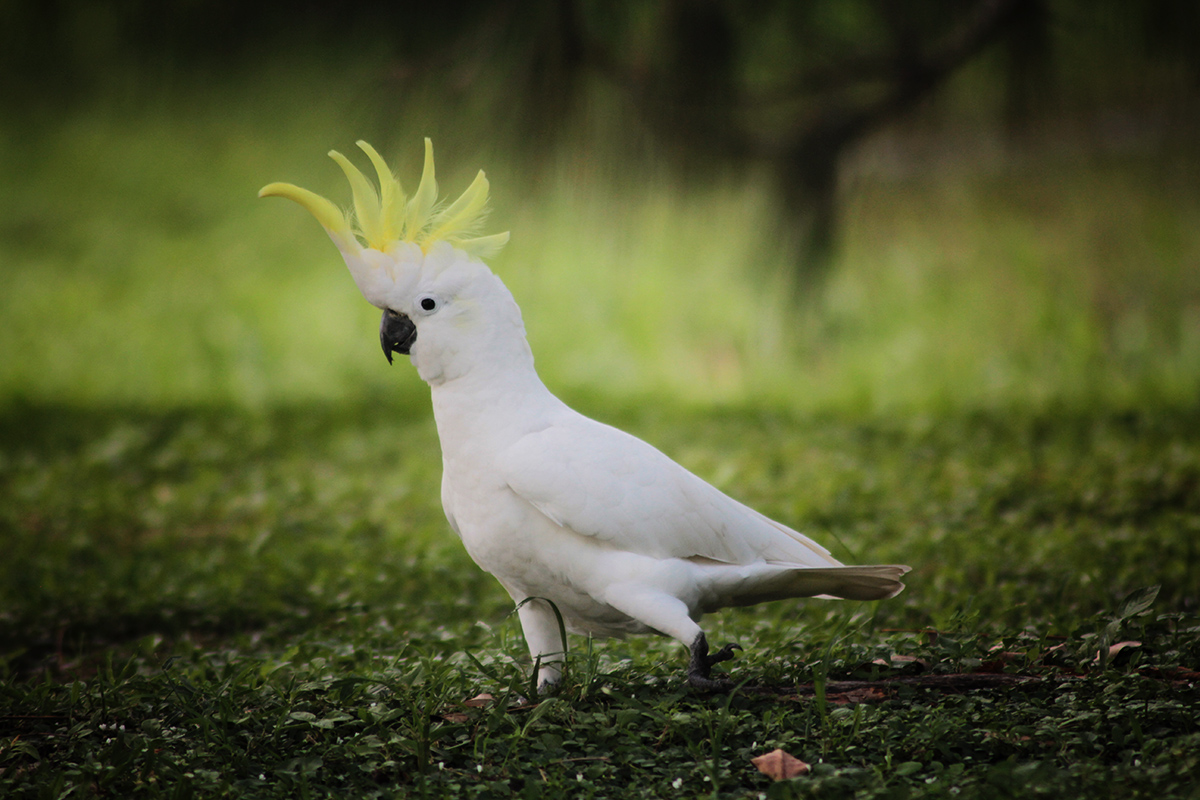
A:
(226, 572)
(235, 604)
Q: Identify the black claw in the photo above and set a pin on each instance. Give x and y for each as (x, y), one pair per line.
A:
(700, 667)
(724, 654)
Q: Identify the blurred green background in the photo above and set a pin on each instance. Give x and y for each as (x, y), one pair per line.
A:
(836, 204)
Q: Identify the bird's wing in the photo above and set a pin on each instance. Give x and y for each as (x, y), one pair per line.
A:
(599, 481)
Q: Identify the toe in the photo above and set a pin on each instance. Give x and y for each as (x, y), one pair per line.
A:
(707, 684)
(724, 654)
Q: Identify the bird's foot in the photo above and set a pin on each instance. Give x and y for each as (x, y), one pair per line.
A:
(700, 667)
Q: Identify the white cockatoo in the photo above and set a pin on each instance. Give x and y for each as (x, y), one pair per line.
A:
(575, 518)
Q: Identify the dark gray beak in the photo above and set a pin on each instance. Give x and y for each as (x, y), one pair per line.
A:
(396, 333)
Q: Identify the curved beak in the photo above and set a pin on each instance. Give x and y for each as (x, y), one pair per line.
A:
(396, 333)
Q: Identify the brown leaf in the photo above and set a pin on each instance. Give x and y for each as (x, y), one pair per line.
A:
(455, 716)
(779, 765)
(1116, 648)
(867, 694)
(479, 700)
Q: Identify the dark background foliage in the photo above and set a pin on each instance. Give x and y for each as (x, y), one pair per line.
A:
(788, 87)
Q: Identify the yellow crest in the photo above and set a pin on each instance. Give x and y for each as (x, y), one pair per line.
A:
(386, 216)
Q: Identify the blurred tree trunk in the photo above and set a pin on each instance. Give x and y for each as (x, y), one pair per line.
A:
(694, 98)
(1028, 69)
(554, 68)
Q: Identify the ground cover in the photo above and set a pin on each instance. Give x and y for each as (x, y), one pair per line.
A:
(221, 603)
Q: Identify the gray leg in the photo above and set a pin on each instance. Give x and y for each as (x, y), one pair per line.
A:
(700, 666)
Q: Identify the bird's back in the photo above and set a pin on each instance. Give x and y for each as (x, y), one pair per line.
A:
(599, 481)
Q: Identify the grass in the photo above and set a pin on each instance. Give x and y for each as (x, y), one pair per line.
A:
(227, 573)
(238, 604)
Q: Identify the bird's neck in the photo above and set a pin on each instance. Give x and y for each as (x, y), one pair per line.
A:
(486, 392)
(490, 407)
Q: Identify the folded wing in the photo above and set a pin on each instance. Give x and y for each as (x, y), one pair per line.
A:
(601, 482)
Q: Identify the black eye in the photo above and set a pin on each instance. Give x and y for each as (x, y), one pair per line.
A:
(428, 303)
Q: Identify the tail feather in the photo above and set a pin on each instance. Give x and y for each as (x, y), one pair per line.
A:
(876, 582)
(778, 582)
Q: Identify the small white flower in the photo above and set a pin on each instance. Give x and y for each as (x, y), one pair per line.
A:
(677, 783)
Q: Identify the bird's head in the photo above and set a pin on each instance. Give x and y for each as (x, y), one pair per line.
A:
(419, 261)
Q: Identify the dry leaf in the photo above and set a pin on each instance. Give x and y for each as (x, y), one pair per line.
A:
(455, 716)
(1119, 646)
(867, 694)
(779, 765)
(479, 700)
(1116, 648)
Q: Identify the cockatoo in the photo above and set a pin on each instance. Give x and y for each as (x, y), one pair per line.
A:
(574, 518)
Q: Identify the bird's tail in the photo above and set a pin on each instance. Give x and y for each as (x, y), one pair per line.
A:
(876, 582)
(778, 581)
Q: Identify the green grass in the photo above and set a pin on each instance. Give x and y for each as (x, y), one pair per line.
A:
(271, 605)
(225, 569)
